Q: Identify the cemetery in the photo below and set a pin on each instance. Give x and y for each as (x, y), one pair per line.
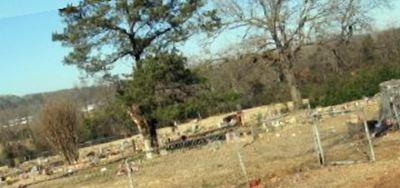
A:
(273, 145)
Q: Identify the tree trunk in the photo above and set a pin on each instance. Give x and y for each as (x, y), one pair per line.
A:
(148, 133)
(340, 62)
(288, 73)
(337, 49)
(153, 135)
(148, 148)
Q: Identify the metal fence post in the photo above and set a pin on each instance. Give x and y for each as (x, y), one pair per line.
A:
(370, 146)
(317, 138)
(128, 168)
(318, 142)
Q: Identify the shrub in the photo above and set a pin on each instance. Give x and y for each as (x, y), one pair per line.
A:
(59, 123)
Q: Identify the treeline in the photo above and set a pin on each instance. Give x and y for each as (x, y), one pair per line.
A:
(248, 81)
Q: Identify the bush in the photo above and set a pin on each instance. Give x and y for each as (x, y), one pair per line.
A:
(14, 151)
(59, 123)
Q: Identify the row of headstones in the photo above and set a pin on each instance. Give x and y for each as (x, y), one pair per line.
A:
(275, 121)
(275, 112)
(345, 108)
(274, 117)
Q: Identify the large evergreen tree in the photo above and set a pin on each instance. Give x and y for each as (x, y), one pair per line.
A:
(159, 91)
(103, 32)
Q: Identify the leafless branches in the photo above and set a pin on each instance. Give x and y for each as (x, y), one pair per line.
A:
(59, 122)
(287, 26)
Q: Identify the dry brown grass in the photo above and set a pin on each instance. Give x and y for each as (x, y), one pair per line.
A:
(284, 158)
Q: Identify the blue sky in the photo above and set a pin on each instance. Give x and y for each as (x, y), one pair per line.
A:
(30, 62)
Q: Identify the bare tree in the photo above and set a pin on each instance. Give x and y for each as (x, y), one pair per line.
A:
(349, 17)
(59, 122)
(287, 26)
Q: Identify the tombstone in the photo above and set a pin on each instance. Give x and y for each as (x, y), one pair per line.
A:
(140, 144)
(265, 126)
(231, 137)
(290, 106)
(123, 146)
(163, 152)
(70, 171)
(104, 169)
(40, 161)
(292, 120)
(239, 107)
(356, 105)
(148, 149)
(95, 161)
(93, 158)
(122, 170)
(195, 128)
(34, 170)
(367, 100)
(47, 171)
(274, 112)
(134, 167)
(133, 145)
(173, 128)
(102, 153)
(276, 125)
(306, 102)
(24, 176)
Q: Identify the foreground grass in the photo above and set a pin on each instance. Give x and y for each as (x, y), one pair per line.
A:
(284, 158)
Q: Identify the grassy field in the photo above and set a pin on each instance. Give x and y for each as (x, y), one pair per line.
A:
(281, 158)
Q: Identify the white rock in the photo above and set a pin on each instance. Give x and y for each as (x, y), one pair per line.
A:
(163, 152)
(292, 120)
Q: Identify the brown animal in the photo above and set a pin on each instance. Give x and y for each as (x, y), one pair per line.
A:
(234, 119)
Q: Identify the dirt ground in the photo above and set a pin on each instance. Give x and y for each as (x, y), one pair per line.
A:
(281, 158)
